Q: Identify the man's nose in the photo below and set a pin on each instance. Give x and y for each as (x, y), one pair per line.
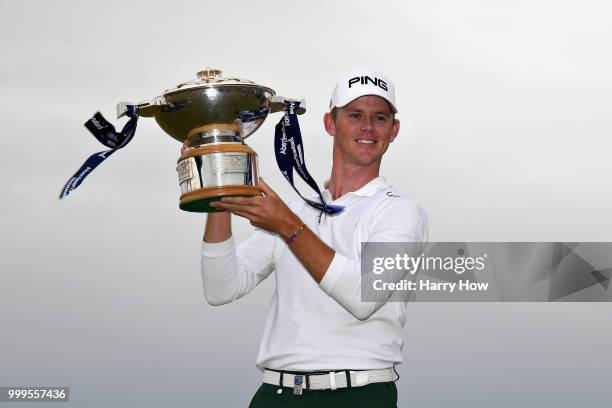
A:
(368, 123)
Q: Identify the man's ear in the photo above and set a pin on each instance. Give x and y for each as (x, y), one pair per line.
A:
(329, 124)
(394, 130)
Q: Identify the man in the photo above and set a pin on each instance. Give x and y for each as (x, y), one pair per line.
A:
(322, 345)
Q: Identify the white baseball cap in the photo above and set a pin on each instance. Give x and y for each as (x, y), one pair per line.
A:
(361, 82)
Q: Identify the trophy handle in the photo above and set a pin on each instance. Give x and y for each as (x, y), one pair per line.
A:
(277, 104)
(145, 109)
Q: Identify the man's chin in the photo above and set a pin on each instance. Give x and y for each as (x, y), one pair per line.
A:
(367, 161)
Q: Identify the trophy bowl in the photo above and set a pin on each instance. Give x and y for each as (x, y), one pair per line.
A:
(213, 115)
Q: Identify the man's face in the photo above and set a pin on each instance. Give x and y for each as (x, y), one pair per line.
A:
(362, 130)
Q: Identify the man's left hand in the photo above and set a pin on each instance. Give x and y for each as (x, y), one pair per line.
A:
(267, 211)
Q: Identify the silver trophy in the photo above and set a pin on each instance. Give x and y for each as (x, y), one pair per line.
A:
(213, 115)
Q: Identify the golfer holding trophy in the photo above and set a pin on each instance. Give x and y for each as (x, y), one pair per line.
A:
(322, 345)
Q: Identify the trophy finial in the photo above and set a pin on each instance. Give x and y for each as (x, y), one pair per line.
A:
(209, 73)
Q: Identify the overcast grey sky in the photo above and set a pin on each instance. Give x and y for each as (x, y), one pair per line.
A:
(505, 136)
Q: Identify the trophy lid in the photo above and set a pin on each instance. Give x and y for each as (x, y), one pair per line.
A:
(212, 77)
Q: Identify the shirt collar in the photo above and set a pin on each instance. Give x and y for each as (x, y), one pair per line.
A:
(368, 189)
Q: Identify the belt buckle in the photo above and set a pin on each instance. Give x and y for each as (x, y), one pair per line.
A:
(297, 384)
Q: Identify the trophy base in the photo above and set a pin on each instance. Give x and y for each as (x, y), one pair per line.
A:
(199, 200)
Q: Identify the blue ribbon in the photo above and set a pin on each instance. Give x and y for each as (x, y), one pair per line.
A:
(105, 132)
(290, 155)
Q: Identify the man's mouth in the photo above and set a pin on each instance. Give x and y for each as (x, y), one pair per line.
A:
(365, 141)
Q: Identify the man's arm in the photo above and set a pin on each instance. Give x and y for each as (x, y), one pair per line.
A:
(337, 275)
(218, 227)
(305, 245)
(229, 271)
(269, 212)
(405, 225)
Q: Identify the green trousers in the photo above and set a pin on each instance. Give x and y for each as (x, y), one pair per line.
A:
(377, 395)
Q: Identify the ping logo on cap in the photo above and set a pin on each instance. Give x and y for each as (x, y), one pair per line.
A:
(363, 80)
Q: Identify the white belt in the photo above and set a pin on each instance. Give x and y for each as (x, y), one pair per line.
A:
(331, 380)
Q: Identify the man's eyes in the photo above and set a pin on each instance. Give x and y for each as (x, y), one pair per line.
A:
(378, 118)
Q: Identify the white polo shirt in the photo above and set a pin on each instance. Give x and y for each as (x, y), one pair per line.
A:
(322, 326)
